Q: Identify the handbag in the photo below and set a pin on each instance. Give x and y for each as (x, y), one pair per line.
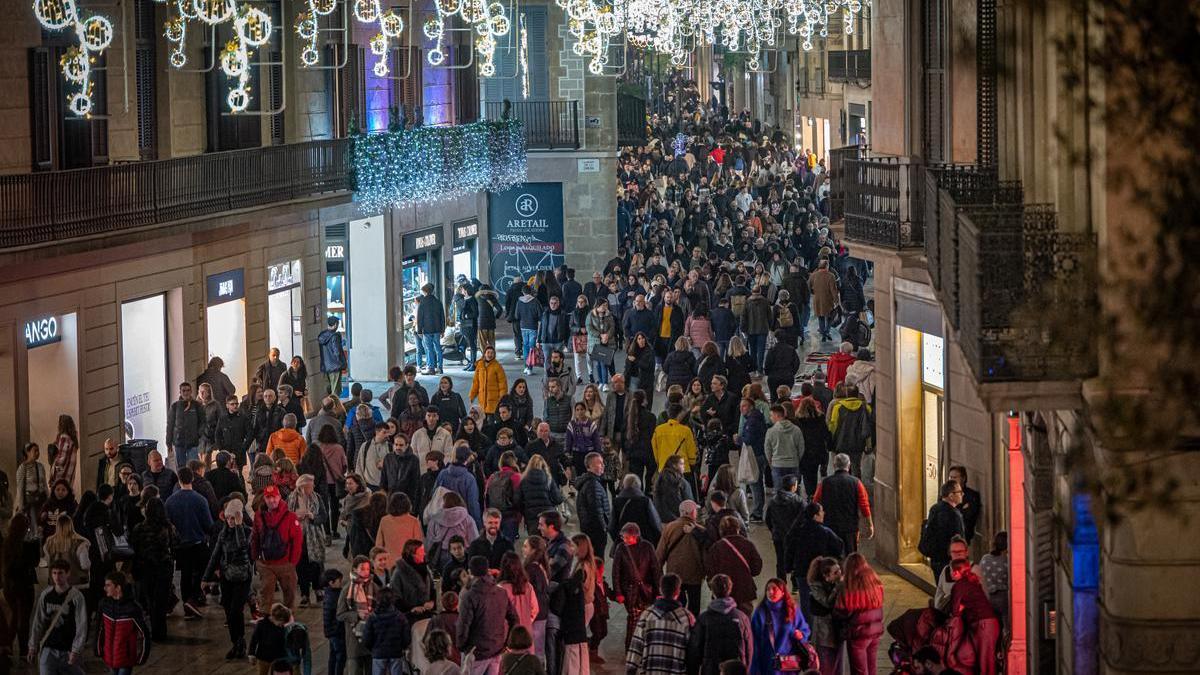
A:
(535, 358)
(603, 353)
(579, 344)
(802, 658)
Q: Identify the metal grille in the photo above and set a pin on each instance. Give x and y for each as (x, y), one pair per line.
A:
(147, 112)
(985, 81)
(276, 99)
(933, 81)
(41, 108)
(881, 200)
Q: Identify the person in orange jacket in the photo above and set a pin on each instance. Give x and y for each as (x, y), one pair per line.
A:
(287, 439)
(490, 383)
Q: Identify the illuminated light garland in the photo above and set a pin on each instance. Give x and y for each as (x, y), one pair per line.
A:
(308, 29)
(426, 164)
(175, 30)
(251, 28)
(523, 57)
(486, 19)
(94, 33)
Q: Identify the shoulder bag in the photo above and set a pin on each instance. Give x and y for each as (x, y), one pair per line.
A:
(802, 659)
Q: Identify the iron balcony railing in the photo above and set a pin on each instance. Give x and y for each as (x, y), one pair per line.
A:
(881, 198)
(40, 208)
(837, 183)
(1002, 270)
(631, 120)
(850, 66)
(549, 125)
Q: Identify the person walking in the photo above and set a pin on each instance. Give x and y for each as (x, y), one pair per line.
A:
(781, 362)
(860, 607)
(185, 420)
(59, 625)
(190, 515)
(153, 541)
(658, 643)
(671, 489)
(275, 545)
(783, 510)
(844, 498)
(722, 632)
(636, 572)
(123, 636)
(231, 567)
(593, 504)
(823, 578)
(681, 551)
(736, 556)
(468, 324)
(824, 297)
(484, 618)
(783, 446)
(387, 635)
(489, 383)
(852, 422)
(553, 328)
(778, 626)
(333, 356)
(809, 539)
(944, 523)
(632, 505)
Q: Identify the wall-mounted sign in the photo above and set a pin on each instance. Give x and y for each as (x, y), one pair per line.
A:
(419, 242)
(589, 166)
(335, 251)
(226, 287)
(466, 230)
(525, 225)
(593, 122)
(283, 276)
(44, 331)
(933, 361)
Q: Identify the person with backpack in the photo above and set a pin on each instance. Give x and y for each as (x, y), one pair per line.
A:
(275, 546)
(500, 494)
(852, 423)
(123, 638)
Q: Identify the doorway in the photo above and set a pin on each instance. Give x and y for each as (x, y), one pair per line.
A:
(52, 359)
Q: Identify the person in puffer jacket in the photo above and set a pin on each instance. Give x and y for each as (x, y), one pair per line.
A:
(452, 519)
(583, 437)
(123, 638)
(387, 633)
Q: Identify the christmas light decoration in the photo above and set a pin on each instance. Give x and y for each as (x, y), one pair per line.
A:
(425, 164)
(308, 27)
(487, 20)
(94, 33)
(251, 28)
(523, 58)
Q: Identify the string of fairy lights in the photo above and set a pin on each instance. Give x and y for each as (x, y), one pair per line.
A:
(673, 27)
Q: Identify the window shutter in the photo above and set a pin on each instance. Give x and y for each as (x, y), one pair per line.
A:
(275, 96)
(146, 79)
(42, 108)
(539, 67)
(933, 94)
(466, 87)
(352, 100)
(407, 88)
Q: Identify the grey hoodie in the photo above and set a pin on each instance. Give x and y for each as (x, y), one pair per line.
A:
(784, 445)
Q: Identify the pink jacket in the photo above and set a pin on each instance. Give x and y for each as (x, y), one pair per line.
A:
(699, 331)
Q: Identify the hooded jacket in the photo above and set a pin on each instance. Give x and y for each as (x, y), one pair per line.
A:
(633, 506)
(458, 478)
(449, 522)
(333, 356)
(387, 634)
(670, 489)
(722, 633)
(536, 494)
(288, 440)
(489, 307)
(123, 640)
(758, 315)
(852, 423)
(839, 364)
(488, 385)
(862, 375)
(784, 445)
(527, 312)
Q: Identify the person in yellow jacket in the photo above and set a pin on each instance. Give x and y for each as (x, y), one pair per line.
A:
(673, 438)
(288, 440)
(489, 383)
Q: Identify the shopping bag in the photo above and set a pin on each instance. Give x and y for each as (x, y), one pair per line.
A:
(534, 359)
(747, 470)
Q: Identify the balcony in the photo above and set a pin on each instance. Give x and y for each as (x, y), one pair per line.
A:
(631, 120)
(1003, 270)
(41, 208)
(850, 66)
(549, 125)
(878, 196)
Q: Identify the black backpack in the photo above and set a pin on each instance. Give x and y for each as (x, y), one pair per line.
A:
(270, 544)
(500, 493)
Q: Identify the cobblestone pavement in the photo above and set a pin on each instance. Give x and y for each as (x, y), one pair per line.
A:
(198, 646)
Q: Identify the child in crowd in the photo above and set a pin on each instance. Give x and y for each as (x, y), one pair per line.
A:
(268, 642)
(335, 631)
(453, 571)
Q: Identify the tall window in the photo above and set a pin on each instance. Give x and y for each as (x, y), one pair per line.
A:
(146, 79)
(934, 112)
(60, 139)
(506, 84)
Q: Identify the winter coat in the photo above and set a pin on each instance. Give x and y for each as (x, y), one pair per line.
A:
(783, 509)
(402, 471)
(781, 363)
(450, 407)
(360, 433)
(285, 522)
(184, 422)
(723, 324)
(269, 373)
(314, 528)
(796, 284)
(422, 443)
(165, 480)
(678, 318)
(722, 558)
(774, 634)
(824, 292)
(636, 572)
(699, 331)
(484, 614)
(839, 364)
(521, 408)
(754, 431)
(582, 437)
(123, 639)
(536, 494)
(231, 550)
(817, 441)
(670, 489)
(413, 585)
(673, 438)
(862, 375)
(554, 327)
(488, 385)
(333, 355)
(267, 420)
(758, 315)
(289, 441)
(395, 531)
(822, 598)
(681, 550)
(722, 633)
(680, 367)
(737, 374)
(592, 503)
(558, 413)
(387, 634)
(222, 386)
(639, 321)
(806, 541)
(458, 478)
(467, 313)
(598, 325)
(642, 367)
(528, 312)
(446, 524)
(633, 506)
(233, 432)
(852, 423)
(489, 308)
(784, 445)
(369, 460)
(431, 317)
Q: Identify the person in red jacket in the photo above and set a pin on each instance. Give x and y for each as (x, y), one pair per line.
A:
(123, 640)
(839, 363)
(275, 545)
(969, 601)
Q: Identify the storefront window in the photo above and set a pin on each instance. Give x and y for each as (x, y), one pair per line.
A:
(416, 274)
(144, 368)
(225, 319)
(285, 307)
(52, 356)
(920, 381)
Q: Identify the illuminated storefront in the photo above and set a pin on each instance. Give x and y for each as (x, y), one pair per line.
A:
(421, 265)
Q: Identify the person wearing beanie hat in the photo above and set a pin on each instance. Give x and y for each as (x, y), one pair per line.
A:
(311, 512)
(484, 617)
(231, 557)
(333, 355)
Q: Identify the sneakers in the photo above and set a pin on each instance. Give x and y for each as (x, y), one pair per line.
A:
(579, 380)
(527, 371)
(190, 611)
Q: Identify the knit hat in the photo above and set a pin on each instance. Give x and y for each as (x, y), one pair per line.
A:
(478, 565)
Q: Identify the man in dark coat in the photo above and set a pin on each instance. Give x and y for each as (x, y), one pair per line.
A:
(431, 323)
(783, 509)
(234, 431)
(633, 506)
(484, 617)
(571, 289)
(972, 502)
(943, 524)
(271, 370)
(844, 499)
(515, 291)
(595, 510)
(636, 574)
(224, 480)
(490, 543)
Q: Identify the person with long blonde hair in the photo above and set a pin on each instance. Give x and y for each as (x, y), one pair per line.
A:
(860, 605)
(68, 545)
(579, 608)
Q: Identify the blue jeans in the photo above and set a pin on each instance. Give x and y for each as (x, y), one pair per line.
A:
(185, 455)
(722, 348)
(528, 340)
(758, 350)
(433, 349)
(386, 666)
(337, 652)
(548, 347)
(55, 662)
(601, 372)
(805, 317)
(823, 325)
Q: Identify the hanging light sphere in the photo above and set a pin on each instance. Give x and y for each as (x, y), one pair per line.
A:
(391, 24)
(173, 29)
(54, 14)
(96, 33)
(432, 28)
(380, 68)
(366, 11)
(213, 12)
(238, 99)
(323, 7)
(379, 44)
(233, 60)
(254, 27)
(75, 67)
(80, 104)
(309, 56)
(178, 59)
(435, 57)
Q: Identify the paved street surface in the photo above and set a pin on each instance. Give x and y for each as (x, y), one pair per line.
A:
(198, 646)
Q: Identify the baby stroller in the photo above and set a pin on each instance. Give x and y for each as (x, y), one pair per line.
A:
(917, 628)
(454, 345)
